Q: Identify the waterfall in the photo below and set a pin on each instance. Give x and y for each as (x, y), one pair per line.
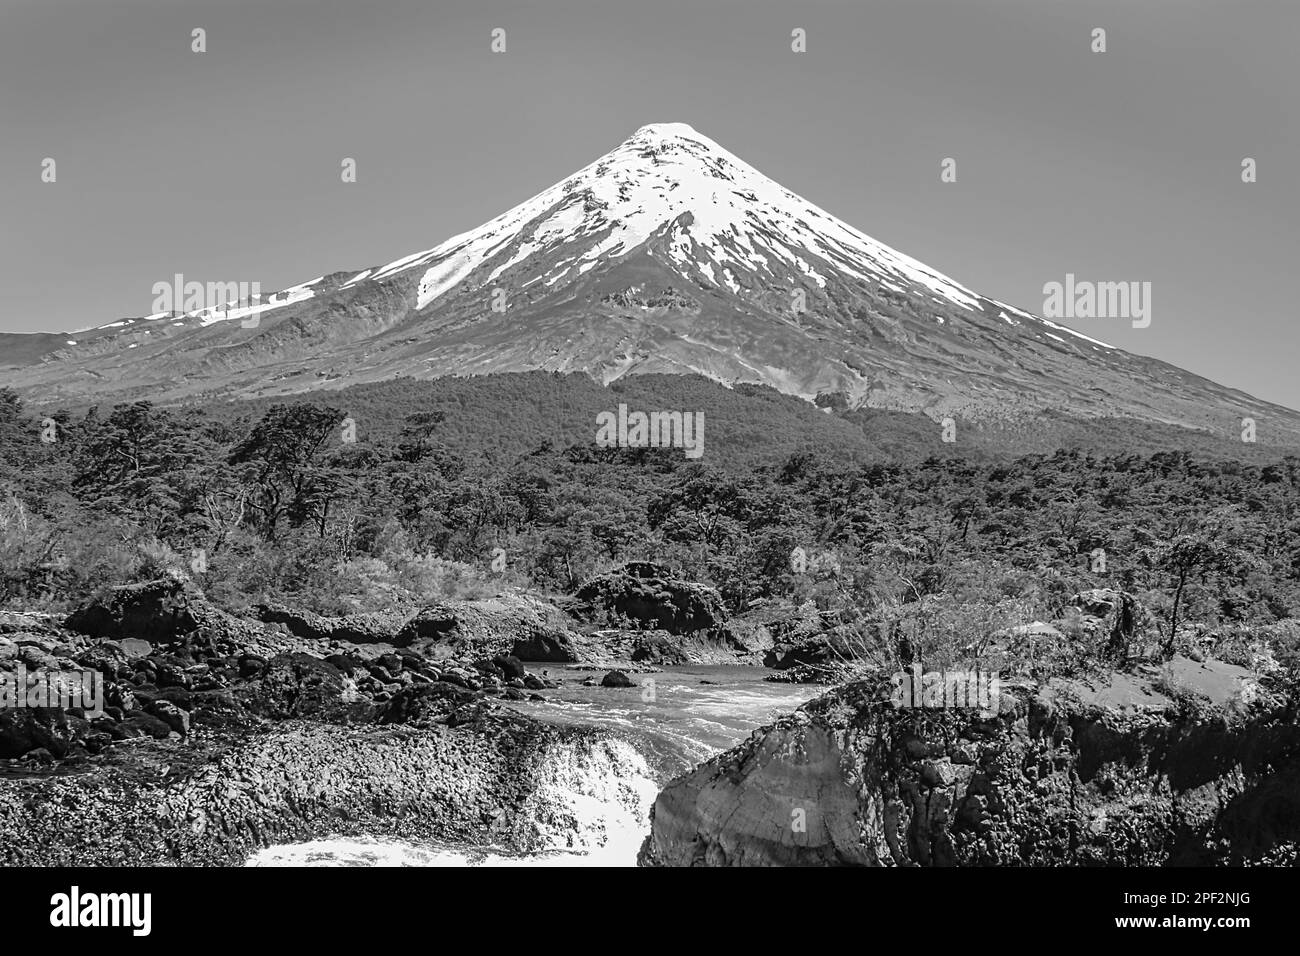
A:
(591, 807)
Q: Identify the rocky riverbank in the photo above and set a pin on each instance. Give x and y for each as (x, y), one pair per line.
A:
(221, 734)
(1193, 763)
(218, 735)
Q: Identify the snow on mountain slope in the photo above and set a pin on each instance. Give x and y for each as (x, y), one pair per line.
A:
(668, 254)
(733, 217)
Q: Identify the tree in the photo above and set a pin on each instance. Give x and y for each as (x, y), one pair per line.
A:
(279, 454)
(1188, 555)
(415, 441)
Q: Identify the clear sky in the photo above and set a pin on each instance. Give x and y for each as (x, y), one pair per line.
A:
(225, 165)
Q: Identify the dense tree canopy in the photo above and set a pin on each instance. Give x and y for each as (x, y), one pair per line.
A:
(343, 510)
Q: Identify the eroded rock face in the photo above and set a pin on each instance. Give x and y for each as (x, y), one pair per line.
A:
(652, 597)
(778, 800)
(1064, 773)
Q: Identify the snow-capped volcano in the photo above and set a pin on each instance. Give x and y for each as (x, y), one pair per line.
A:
(720, 218)
(667, 254)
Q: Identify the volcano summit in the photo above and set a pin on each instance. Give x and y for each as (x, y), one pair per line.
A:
(668, 254)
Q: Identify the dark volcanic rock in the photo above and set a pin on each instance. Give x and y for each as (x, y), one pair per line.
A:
(528, 629)
(140, 724)
(652, 597)
(299, 685)
(423, 704)
(545, 648)
(171, 715)
(25, 729)
(793, 635)
(617, 679)
(659, 649)
(156, 611)
(1114, 613)
(355, 629)
(802, 637)
(19, 732)
(510, 665)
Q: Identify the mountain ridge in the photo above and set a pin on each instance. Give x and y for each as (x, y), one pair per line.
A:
(668, 254)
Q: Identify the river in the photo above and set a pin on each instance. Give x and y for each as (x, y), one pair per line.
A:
(674, 720)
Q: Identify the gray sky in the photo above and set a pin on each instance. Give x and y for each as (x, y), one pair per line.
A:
(224, 165)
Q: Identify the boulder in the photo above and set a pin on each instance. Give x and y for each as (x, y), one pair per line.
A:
(134, 648)
(659, 650)
(377, 628)
(1097, 602)
(651, 596)
(795, 636)
(528, 629)
(171, 715)
(1117, 614)
(24, 729)
(141, 724)
(511, 666)
(17, 732)
(545, 648)
(107, 658)
(157, 611)
(617, 679)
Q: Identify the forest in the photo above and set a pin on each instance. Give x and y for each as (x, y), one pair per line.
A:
(394, 494)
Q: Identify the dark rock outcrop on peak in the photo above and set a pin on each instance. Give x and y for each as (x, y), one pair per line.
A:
(650, 596)
(1118, 771)
(528, 629)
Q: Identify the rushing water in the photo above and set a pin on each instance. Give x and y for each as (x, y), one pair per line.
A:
(674, 720)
